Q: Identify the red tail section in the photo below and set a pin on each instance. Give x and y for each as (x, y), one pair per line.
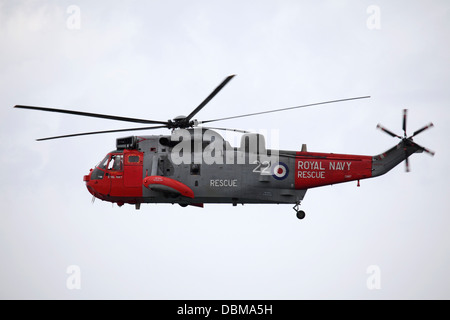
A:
(320, 169)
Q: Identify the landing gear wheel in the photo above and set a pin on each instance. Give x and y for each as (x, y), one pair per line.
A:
(301, 214)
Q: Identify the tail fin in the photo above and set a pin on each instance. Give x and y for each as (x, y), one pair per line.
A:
(384, 162)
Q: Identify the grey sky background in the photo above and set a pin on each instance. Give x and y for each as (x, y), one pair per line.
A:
(160, 59)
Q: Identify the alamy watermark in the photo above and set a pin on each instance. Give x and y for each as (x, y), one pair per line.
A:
(374, 280)
(204, 146)
(73, 21)
(73, 281)
(374, 20)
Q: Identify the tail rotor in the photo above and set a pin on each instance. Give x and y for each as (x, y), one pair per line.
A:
(408, 141)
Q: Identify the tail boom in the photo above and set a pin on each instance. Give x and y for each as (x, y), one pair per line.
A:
(386, 161)
(320, 169)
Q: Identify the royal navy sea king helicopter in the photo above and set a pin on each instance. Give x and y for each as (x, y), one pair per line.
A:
(195, 165)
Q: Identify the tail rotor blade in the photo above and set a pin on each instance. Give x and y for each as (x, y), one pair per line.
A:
(431, 153)
(406, 162)
(405, 113)
(428, 126)
(379, 126)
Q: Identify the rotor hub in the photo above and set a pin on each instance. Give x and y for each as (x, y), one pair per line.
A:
(180, 122)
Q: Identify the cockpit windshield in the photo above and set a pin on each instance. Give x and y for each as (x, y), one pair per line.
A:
(102, 164)
(112, 162)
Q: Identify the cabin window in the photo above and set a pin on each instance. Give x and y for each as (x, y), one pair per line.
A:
(133, 159)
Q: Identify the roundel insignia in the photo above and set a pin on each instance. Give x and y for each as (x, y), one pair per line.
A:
(280, 171)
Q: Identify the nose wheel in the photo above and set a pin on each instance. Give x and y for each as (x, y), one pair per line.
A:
(300, 213)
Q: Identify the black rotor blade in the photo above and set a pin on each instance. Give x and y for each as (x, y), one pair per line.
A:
(432, 153)
(284, 109)
(406, 161)
(428, 126)
(379, 126)
(99, 132)
(93, 115)
(405, 112)
(226, 129)
(208, 98)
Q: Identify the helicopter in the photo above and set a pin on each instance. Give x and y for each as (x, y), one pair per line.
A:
(195, 165)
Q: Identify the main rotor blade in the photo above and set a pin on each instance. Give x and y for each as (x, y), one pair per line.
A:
(284, 109)
(428, 126)
(225, 129)
(405, 112)
(93, 115)
(379, 126)
(99, 132)
(208, 98)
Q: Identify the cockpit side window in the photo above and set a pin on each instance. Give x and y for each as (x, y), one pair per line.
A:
(116, 162)
(97, 174)
(112, 162)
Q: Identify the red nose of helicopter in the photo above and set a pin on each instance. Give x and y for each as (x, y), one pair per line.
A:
(87, 179)
(94, 185)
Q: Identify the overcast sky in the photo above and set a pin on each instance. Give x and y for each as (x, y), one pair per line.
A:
(160, 59)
